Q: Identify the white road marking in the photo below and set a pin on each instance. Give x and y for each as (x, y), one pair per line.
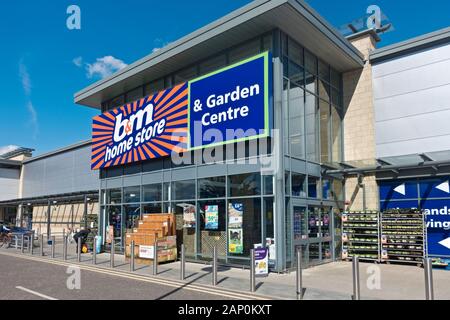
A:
(36, 293)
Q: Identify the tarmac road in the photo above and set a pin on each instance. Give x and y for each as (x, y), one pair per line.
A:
(23, 279)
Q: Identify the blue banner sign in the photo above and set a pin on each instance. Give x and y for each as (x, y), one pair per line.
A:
(430, 195)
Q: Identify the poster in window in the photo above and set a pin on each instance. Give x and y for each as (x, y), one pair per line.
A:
(235, 214)
(297, 225)
(188, 216)
(235, 241)
(212, 217)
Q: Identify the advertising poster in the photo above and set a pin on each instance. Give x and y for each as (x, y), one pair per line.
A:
(212, 217)
(189, 216)
(270, 243)
(261, 262)
(146, 252)
(235, 214)
(235, 241)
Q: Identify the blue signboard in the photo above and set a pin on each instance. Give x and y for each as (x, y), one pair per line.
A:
(433, 198)
(231, 104)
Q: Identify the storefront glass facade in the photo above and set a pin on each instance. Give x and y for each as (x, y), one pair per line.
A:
(312, 137)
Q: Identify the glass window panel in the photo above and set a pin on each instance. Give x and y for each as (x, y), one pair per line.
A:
(288, 230)
(247, 184)
(152, 165)
(296, 121)
(313, 222)
(311, 82)
(267, 43)
(324, 131)
(326, 189)
(295, 52)
(313, 187)
(251, 223)
(186, 74)
(300, 223)
(311, 111)
(298, 185)
(152, 208)
(284, 45)
(154, 86)
(152, 192)
(132, 194)
(337, 189)
(335, 79)
(114, 196)
(134, 95)
(269, 218)
(245, 51)
(132, 216)
(296, 73)
(268, 184)
(211, 187)
(324, 71)
(213, 64)
(326, 250)
(324, 90)
(325, 221)
(116, 102)
(336, 135)
(132, 168)
(183, 190)
(336, 98)
(310, 63)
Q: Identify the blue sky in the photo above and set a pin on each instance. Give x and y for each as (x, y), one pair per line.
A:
(44, 63)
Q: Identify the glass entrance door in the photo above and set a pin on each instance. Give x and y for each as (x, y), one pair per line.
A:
(312, 232)
(113, 232)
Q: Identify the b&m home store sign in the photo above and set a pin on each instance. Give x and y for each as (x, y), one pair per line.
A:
(229, 105)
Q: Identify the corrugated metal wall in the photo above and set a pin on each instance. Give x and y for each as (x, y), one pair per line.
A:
(62, 173)
(9, 184)
(412, 103)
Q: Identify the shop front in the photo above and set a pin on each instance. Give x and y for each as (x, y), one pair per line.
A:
(230, 129)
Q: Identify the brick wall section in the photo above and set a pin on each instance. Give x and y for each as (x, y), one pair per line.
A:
(359, 126)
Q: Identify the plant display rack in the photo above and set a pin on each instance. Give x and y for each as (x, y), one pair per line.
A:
(403, 236)
(361, 236)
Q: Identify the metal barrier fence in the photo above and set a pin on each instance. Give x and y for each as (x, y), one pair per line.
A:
(24, 242)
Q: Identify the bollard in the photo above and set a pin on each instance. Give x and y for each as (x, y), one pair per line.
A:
(132, 256)
(356, 286)
(428, 269)
(65, 247)
(94, 252)
(79, 250)
(53, 246)
(299, 275)
(22, 246)
(214, 267)
(41, 246)
(252, 270)
(111, 255)
(155, 258)
(183, 263)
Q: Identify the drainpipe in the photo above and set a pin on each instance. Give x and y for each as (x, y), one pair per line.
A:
(48, 220)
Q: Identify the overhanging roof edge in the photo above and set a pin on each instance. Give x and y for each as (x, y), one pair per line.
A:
(254, 9)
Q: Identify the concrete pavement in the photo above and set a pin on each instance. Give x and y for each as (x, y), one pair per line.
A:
(331, 281)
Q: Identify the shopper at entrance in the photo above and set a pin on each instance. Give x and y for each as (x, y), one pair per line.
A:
(83, 235)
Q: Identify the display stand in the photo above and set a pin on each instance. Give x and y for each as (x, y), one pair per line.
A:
(403, 234)
(360, 236)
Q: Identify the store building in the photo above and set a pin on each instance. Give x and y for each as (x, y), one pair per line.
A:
(50, 192)
(341, 126)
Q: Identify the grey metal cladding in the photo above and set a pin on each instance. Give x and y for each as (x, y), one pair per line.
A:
(9, 183)
(412, 102)
(411, 46)
(60, 173)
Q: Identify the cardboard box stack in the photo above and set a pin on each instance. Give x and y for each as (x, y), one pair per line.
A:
(153, 227)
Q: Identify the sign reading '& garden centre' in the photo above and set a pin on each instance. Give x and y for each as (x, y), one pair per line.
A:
(229, 105)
